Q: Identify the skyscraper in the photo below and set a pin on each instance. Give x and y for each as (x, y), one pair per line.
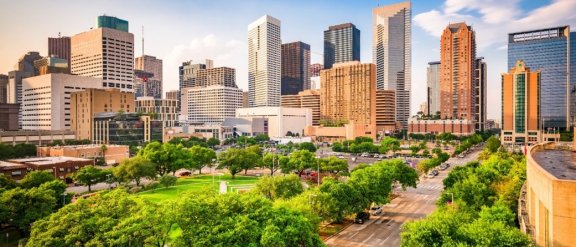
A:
(264, 62)
(479, 95)
(105, 52)
(341, 44)
(60, 47)
(457, 61)
(433, 82)
(295, 68)
(549, 51)
(392, 41)
(521, 98)
(3, 89)
(152, 65)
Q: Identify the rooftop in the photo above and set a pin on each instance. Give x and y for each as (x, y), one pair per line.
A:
(44, 161)
(559, 163)
(87, 146)
(8, 165)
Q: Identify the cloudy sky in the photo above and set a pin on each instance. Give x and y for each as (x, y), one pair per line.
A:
(178, 31)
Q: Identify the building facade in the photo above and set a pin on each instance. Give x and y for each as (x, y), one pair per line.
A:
(60, 47)
(146, 87)
(348, 93)
(3, 89)
(295, 68)
(521, 98)
(479, 102)
(9, 116)
(264, 62)
(60, 167)
(341, 44)
(36, 137)
(306, 99)
(106, 52)
(165, 110)
(86, 103)
(549, 51)
(433, 83)
(151, 65)
(113, 154)
(48, 65)
(458, 127)
(46, 100)
(385, 111)
(392, 52)
(210, 104)
(126, 129)
(280, 120)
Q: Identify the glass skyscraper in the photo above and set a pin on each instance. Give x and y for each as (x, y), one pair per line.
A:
(112, 22)
(548, 50)
(341, 44)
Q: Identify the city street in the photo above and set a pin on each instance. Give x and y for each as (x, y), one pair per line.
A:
(414, 203)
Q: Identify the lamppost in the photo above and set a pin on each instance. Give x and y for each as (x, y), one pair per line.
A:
(214, 162)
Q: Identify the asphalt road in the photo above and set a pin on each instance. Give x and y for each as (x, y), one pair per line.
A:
(412, 204)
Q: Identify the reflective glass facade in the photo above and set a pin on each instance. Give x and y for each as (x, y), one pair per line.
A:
(112, 22)
(546, 50)
(341, 44)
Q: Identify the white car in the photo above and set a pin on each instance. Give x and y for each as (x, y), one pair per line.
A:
(376, 210)
(341, 157)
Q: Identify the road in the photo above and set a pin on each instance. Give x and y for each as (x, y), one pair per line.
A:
(412, 204)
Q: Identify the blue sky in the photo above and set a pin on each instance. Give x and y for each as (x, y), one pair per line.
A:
(177, 31)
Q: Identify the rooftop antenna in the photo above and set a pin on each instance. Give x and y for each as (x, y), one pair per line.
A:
(58, 34)
(142, 40)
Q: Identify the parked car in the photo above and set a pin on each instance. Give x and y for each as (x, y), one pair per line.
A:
(376, 210)
(364, 155)
(341, 157)
(443, 167)
(361, 217)
(432, 174)
(461, 156)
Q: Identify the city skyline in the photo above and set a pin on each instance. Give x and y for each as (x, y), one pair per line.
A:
(216, 38)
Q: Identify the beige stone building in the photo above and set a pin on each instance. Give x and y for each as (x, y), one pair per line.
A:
(305, 99)
(85, 104)
(165, 110)
(385, 111)
(348, 93)
(113, 154)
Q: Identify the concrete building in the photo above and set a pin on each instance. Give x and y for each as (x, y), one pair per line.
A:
(152, 65)
(433, 83)
(457, 61)
(207, 131)
(305, 99)
(385, 111)
(36, 137)
(165, 110)
(264, 62)
(392, 53)
(146, 87)
(60, 47)
(423, 108)
(341, 44)
(295, 68)
(479, 101)
(211, 104)
(553, 52)
(348, 131)
(175, 95)
(113, 154)
(49, 65)
(105, 52)
(46, 100)
(188, 72)
(280, 120)
(9, 116)
(547, 211)
(60, 167)
(85, 104)
(458, 127)
(348, 93)
(245, 99)
(3, 89)
(126, 129)
(12, 170)
(23, 69)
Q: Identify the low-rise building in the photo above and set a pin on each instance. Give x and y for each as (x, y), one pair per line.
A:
(348, 131)
(305, 99)
(12, 170)
(113, 154)
(126, 129)
(459, 127)
(61, 167)
(280, 120)
(36, 137)
(9, 116)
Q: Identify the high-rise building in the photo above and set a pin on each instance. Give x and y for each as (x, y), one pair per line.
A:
(86, 103)
(315, 69)
(433, 82)
(305, 99)
(165, 110)
(295, 68)
(391, 53)
(46, 100)
(341, 44)
(9, 116)
(174, 95)
(49, 65)
(549, 50)
(126, 129)
(348, 93)
(457, 72)
(3, 89)
(60, 48)
(106, 52)
(151, 65)
(23, 69)
(479, 102)
(211, 104)
(202, 75)
(245, 99)
(521, 97)
(146, 87)
(385, 111)
(264, 62)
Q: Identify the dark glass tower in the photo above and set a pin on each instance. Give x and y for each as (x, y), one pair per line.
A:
(295, 68)
(112, 22)
(341, 44)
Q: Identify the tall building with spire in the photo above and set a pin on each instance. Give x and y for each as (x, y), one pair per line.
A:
(391, 45)
(264, 61)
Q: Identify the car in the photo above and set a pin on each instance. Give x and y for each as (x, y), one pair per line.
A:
(461, 156)
(364, 155)
(432, 174)
(361, 217)
(341, 157)
(376, 210)
(443, 167)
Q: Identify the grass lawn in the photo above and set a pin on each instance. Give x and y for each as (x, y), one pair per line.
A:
(195, 183)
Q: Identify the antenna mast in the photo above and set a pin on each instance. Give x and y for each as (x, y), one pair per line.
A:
(142, 40)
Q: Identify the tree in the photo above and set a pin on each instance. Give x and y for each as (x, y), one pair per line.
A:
(389, 144)
(200, 157)
(274, 161)
(492, 144)
(167, 157)
(136, 169)
(334, 165)
(402, 173)
(57, 188)
(299, 161)
(7, 183)
(236, 160)
(338, 199)
(88, 176)
(374, 183)
(25, 206)
(337, 147)
(168, 180)
(279, 187)
(308, 146)
(212, 142)
(36, 178)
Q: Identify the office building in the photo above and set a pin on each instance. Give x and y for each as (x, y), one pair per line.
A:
(151, 65)
(295, 68)
(211, 104)
(86, 103)
(264, 62)
(458, 127)
(188, 72)
(3, 89)
(126, 129)
(49, 65)
(433, 83)
(174, 95)
(279, 120)
(245, 99)
(60, 47)
(391, 53)
(479, 101)
(306, 99)
(201, 75)
(144, 86)
(36, 137)
(341, 44)
(521, 97)
(165, 110)
(46, 100)
(385, 111)
(9, 116)
(348, 93)
(549, 51)
(23, 69)
(457, 62)
(106, 52)
(114, 154)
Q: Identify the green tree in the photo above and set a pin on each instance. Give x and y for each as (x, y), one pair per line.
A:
(36, 178)
(25, 206)
(200, 157)
(167, 157)
(236, 160)
(274, 161)
(308, 146)
(334, 165)
(213, 142)
(374, 183)
(492, 144)
(88, 176)
(168, 180)
(402, 174)
(57, 188)
(279, 187)
(338, 199)
(7, 183)
(389, 144)
(337, 147)
(299, 161)
(135, 169)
